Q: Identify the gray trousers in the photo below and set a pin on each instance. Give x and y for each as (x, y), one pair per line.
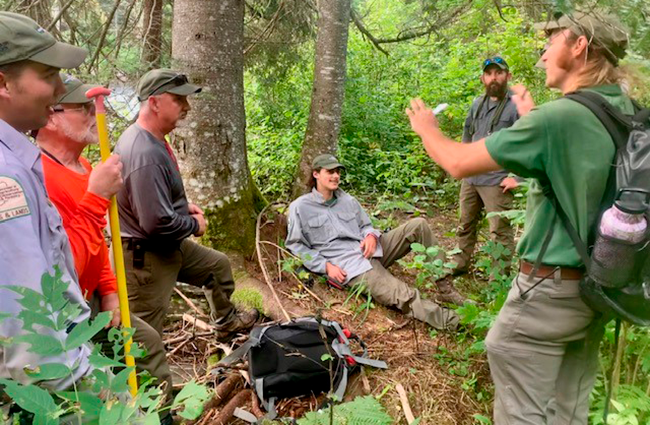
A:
(543, 353)
(390, 291)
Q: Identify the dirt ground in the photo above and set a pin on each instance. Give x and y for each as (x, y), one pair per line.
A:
(419, 358)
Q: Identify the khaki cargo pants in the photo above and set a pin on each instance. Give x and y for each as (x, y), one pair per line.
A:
(151, 281)
(472, 200)
(388, 290)
(543, 353)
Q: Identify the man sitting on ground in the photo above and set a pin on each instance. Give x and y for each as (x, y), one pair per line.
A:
(69, 130)
(333, 235)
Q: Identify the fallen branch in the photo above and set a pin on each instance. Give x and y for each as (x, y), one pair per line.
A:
(190, 303)
(405, 404)
(237, 401)
(197, 323)
(225, 388)
(263, 267)
(255, 409)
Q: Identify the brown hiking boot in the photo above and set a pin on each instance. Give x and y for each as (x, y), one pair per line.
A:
(447, 293)
(241, 322)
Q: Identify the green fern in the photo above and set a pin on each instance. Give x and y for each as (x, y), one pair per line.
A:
(361, 411)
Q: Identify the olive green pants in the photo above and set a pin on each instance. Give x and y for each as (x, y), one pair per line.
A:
(152, 277)
(390, 291)
(472, 201)
(543, 353)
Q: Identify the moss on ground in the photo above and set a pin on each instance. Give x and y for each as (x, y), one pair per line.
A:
(247, 298)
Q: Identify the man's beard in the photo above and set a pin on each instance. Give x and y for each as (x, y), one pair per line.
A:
(88, 137)
(496, 90)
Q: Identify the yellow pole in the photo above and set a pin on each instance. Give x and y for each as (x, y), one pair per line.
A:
(98, 94)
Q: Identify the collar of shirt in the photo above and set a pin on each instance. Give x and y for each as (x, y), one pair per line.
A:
(320, 199)
(19, 144)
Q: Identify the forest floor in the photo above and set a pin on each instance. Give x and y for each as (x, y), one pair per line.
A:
(443, 386)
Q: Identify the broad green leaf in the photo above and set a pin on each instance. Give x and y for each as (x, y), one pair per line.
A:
(43, 345)
(99, 380)
(111, 412)
(85, 330)
(193, 396)
(89, 404)
(44, 420)
(31, 318)
(482, 419)
(67, 314)
(99, 360)
(53, 289)
(119, 383)
(31, 398)
(418, 247)
(48, 371)
(31, 300)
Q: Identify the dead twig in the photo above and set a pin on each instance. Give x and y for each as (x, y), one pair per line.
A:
(405, 404)
(198, 323)
(263, 267)
(190, 303)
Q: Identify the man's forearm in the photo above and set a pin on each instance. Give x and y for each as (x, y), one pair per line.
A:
(458, 159)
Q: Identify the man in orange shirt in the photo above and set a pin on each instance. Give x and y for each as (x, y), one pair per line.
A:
(81, 195)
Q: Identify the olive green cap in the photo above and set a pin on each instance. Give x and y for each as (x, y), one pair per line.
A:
(75, 90)
(159, 81)
(23, 39)
(601, 28)
(326, 161)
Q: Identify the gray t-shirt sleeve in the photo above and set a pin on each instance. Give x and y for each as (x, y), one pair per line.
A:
(149, 196)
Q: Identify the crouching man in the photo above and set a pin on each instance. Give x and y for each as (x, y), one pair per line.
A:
(333, 235)
(81, 195)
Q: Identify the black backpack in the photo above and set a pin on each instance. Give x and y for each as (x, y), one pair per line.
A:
(293, 359)
(622, 293)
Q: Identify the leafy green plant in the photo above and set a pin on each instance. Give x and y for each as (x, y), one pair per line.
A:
(360, 293)
(102, 397)
(429, 267)
(361, 411)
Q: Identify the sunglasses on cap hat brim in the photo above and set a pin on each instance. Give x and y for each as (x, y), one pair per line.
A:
(498, 61)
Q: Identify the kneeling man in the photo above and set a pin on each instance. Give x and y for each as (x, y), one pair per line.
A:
(333, 235)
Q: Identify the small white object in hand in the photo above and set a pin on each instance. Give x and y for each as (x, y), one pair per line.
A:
(438, 109)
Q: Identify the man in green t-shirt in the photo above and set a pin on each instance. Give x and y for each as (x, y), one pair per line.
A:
(543, 348)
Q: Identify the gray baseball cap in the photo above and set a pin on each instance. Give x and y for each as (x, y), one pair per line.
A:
(21, 38)
(327, 161)
(75, 90)
(603, 29)
(159, 81)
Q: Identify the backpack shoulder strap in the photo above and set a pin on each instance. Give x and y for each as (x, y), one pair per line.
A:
(617, 124)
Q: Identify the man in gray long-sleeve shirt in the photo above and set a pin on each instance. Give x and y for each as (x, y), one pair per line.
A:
(489, 113)
(333, 235)
(156, 219)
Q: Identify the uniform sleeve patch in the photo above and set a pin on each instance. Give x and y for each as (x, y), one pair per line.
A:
(13, 202)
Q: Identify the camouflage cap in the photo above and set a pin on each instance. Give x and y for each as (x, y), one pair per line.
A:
(75, 90)
(603, 29)
(159, 81)
(23, 39)
(327, 161)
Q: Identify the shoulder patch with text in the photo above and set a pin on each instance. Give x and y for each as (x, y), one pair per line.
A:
(13, 202)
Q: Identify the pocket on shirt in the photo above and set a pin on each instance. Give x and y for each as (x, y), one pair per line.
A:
(319, 229)
(349, 221)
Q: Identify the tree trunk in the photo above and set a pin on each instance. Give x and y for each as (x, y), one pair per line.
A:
(38, 10)
(207, 45)
(329, 87)
(152, 33)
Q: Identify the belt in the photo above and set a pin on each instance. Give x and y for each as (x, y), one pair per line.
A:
(147, 245)
(567, 273)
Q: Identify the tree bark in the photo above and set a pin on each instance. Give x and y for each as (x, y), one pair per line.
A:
(207, 45)
(152, 33)
(328, 91)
